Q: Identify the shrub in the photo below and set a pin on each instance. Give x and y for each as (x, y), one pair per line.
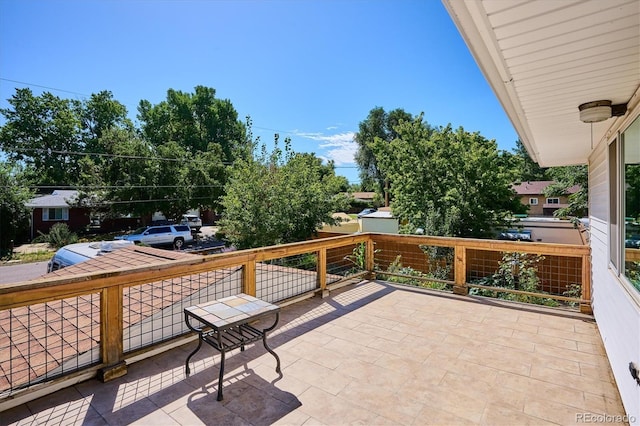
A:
(59, 236)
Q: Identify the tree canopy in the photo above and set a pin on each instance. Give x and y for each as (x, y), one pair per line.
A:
(565, 178)
(279, 197)
(14, 215)
(381, 125)
(176, 161)
(447, 182)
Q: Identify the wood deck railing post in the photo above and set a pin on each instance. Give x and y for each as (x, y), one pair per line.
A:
(460, 270)
(586, 308)
(322, 272)
(111, 334)
(370, 260)
(249, 278)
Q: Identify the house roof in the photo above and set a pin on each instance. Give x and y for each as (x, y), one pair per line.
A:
(538, 187)
(126, 257)
(545, 58)
(58, 198)
(365, 196)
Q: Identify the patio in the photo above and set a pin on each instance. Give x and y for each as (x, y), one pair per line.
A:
(371, 353)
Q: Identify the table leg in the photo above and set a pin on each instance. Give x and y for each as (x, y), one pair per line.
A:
(186, 364)
(221, 375)
(264, 342)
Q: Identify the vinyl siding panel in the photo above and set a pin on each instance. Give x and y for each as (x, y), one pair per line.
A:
(617, 313)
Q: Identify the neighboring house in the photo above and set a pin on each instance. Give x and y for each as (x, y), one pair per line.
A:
(532, 195)
(57, 207)
(568, 77)
(365, 197)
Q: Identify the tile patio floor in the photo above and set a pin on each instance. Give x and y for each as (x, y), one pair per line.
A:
(371, 354)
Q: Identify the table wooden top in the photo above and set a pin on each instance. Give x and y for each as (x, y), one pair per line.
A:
(231, 311)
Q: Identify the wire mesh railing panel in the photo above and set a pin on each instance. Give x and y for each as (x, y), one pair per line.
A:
(281, 278)
(525, 277)
(154, 312)
(43, 341)
(422, 265)
(345, 261)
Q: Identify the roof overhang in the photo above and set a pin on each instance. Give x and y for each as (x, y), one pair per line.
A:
(544, 58)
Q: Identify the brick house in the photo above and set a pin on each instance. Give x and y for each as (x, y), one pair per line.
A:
(532, 195)
(57, 207)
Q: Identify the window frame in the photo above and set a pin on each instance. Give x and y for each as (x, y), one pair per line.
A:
(46, 214)
(557, 200)
(533, 201)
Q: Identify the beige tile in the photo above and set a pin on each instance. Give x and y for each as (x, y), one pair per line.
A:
(333, 411)
(318, 376)
(382, 401)
(498, 414)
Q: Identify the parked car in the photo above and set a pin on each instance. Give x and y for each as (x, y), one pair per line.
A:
(193, 221)
(177, 235)
(366, 212)
(79, 252)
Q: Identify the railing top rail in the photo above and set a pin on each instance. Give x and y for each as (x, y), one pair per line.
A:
(570, 250)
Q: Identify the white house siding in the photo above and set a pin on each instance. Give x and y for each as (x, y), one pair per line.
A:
(616, 313)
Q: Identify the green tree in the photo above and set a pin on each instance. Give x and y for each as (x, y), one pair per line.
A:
(278, 198)
(195, 121)
(449, 183)
(131, 172)
(14, 215)
(378, 125)
(44, 133)
(527, 169)
(564, 179)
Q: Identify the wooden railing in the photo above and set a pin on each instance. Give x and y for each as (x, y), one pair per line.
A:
(108, 308)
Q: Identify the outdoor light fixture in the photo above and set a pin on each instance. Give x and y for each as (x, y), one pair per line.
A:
(593, 112)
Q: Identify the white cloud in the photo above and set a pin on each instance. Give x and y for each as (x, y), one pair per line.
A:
(340, 147)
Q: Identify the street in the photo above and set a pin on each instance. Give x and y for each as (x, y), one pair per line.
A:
(13, 273)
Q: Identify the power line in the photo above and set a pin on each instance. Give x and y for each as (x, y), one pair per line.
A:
(81, 187)
(50, 151)
(44, 87)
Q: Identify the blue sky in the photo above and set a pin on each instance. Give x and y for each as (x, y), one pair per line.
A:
(309, 70)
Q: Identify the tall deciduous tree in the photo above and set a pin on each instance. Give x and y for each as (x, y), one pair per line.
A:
(447, 182)
(14, 215)
(195, 121)
(381, 125)
(565, 178)
(44, 133)
(278, 198)
(527, 169)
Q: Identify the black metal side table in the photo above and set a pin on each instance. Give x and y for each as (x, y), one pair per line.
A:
(225, 326)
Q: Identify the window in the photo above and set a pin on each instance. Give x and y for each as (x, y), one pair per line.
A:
(630, 181)
(613, 205)
(57, 213)
(533, 201)
(160, 230)
(553, 200)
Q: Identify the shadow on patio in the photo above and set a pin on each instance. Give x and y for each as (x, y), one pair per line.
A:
(371, 353)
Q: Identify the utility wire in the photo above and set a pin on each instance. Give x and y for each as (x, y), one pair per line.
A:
(50, 151)
(44, 87)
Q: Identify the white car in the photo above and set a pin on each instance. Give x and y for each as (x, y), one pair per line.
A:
(79, 252)
(177, 235)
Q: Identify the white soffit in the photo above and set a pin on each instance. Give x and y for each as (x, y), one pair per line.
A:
(543, 58)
